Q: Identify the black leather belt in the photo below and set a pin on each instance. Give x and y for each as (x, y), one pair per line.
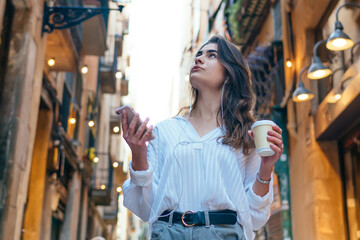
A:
(190, 218)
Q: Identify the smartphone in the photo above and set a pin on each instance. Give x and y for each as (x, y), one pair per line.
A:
(130, 112)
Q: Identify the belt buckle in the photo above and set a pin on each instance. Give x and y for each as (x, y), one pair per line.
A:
(183, 221)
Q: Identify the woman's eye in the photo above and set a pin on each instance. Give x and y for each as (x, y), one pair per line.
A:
(212, 55)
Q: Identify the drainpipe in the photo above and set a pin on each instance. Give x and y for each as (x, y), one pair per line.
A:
(279, 115)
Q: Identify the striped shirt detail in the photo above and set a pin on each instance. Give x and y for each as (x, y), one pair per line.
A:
(189, 172)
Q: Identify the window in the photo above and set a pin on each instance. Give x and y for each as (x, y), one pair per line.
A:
(71, 104)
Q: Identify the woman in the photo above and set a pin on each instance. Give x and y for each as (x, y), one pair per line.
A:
(201, 178)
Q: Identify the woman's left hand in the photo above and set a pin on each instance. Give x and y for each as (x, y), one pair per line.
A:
(267, 163)
(275, 137)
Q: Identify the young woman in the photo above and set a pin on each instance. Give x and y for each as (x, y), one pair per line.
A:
(201, 178)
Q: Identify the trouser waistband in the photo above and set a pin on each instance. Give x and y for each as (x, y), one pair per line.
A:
(190, 218)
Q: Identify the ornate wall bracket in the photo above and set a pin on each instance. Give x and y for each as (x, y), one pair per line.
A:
(61, 17)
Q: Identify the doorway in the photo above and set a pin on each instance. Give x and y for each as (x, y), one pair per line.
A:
(350, 164)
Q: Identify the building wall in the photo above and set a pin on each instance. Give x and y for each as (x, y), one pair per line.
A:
(2, 11)
(29, 190)
(37, 181)
(19, 108)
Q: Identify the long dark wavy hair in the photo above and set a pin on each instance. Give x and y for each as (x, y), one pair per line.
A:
(238, 97)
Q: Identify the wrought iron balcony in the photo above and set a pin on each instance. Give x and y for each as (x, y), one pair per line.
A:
(102, 181)
(108, 68)
(110, 214)
(101, 196)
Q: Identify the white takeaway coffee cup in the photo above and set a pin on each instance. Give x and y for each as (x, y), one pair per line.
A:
(260, 130)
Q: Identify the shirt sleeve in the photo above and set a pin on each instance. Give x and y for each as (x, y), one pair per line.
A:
(259, 206)
(139, 190)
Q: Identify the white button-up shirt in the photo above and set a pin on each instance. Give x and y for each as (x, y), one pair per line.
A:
(189, 172)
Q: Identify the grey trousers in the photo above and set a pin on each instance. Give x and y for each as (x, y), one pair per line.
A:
(168, 230)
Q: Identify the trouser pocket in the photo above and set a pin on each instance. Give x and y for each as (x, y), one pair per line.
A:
(227, 232)
(158, 230)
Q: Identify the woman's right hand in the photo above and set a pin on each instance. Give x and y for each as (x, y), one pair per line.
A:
(136, 139)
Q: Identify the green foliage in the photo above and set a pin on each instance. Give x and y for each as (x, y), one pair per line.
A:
(233, 12)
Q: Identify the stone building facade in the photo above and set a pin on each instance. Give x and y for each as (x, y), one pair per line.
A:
(321, 135)
(59, 156)
(318, 176)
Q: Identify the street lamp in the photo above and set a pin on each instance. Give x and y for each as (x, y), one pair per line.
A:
(317, 69)
(301, 94)
(338, 40)
(337, 94)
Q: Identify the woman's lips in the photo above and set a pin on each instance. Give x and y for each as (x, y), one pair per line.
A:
(196, 68)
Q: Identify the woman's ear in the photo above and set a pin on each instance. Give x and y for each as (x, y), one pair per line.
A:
(251, 134)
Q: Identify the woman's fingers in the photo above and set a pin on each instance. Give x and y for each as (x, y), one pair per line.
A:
(124, 123)
(141, 129)
(135, 136)
(146, 135)
(275, 140)
(276, 148)
(275, 137)
(133, 125)
(277, 129)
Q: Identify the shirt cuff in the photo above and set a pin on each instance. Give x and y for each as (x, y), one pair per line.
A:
(141, 178)
(257, 201)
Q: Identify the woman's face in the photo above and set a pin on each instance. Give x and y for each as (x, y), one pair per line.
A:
(207, 72)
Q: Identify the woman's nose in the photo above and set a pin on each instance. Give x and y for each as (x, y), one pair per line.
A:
(198, 60)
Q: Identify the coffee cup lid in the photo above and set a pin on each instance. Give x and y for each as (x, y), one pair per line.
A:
(262, 122)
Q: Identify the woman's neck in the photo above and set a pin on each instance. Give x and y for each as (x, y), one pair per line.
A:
(207, 106)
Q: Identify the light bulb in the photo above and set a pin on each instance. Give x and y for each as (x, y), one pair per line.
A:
(103, 186)
(116, 129)
(303, 97)
(118, 189)
(72, 120)
(339, 42)
(318, 74)
(96, 159)
(84, 69)
(338, 96)
(51, 62)
(118, 74)
(334, 98)
(115, 164)
(288, 63)
(91, 123)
